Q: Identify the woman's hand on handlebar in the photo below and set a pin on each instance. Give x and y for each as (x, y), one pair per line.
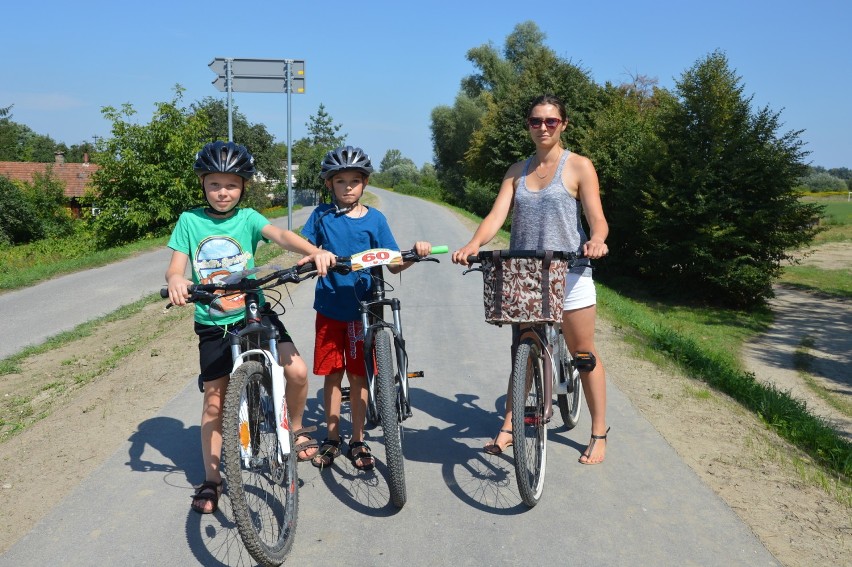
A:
(460, 255)
(323, 260)
(595, 249)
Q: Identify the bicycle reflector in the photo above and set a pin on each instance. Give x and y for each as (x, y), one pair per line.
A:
(585, 361)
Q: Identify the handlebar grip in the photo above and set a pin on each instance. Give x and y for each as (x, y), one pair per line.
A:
(473, 259)
(440, 249)
(164, 292)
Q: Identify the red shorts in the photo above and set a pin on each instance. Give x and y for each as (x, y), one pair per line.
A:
(338, 345)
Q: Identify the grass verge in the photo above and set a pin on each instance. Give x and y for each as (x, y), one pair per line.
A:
(710, 355)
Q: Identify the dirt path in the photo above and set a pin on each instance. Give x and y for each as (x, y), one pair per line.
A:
(95, 405)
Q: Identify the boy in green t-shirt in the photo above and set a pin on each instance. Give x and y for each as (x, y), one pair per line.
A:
(215, 241)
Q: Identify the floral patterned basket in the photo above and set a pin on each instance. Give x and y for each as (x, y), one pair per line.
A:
(521, 286)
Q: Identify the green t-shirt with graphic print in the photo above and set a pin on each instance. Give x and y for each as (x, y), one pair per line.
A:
(216, 249)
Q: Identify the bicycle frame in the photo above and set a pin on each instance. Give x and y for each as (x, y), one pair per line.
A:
(546, 335)
(268, 356)
(371, 323)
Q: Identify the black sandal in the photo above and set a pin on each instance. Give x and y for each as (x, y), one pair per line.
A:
(328, 451)
(209, 491)
(588, 452)
(494, 448)
(364, 455)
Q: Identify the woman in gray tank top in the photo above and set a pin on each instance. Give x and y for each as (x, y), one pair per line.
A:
(547, 195)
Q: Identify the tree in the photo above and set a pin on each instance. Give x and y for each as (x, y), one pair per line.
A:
(255, 137)
(392, 158)
(308, 152)
(46, 197)
(452, 129)
(719, 210)
(823, 181)
(16, 226)
(146, 178)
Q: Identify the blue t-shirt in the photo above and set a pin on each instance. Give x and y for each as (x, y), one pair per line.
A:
(337, 295)
(216, 249)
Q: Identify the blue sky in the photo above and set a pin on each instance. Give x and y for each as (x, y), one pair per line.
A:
(380, 67)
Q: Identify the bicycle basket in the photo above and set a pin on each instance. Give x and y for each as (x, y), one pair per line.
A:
(521, 286)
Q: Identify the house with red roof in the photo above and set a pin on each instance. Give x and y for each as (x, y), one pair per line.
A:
(75, 176)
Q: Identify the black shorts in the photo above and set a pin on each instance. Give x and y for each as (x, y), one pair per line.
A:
(214, 345)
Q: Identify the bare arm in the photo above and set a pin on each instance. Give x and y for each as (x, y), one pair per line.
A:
(176, 278)
(495, 218)
(590, 196)
(289, 240)
(422, 248)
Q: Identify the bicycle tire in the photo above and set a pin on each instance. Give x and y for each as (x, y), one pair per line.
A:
(528, 422)
(263, 492)
(388, 405)
(570, 403)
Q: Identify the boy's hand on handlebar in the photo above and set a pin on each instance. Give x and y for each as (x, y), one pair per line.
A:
(178, 290)
(323, 260)
(422, 248)
(460, 255)
(595, 249)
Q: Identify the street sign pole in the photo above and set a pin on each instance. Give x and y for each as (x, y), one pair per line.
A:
(289, 145)
(262, 76)
(229, 79)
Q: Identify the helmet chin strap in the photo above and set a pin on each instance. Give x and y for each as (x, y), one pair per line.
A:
(342, 211)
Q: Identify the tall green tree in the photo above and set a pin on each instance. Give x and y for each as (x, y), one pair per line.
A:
(308, 152)
(452, 129)
(721, 211)
(145, 179)
(253, 136)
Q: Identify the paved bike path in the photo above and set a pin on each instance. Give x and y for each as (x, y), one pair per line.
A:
(643, 506)
(60, 304)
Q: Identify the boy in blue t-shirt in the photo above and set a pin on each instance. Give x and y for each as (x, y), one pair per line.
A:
(217, 241)
(346, 228)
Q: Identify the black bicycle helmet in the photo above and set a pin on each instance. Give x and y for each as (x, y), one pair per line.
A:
(225, 157)
(344, 158)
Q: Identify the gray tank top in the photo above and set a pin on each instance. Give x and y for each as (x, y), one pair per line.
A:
(549, 219)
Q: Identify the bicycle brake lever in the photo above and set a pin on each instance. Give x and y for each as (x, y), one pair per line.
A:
(467, 271)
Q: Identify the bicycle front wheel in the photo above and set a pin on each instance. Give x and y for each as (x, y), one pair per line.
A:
(528, 423)
(389, 412)
(571, 401)
(262, 482)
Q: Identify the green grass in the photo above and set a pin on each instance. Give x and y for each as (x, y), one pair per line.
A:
(811, 278)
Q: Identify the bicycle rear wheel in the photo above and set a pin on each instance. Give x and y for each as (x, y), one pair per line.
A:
(569, 380)
(528, 425)
(262, 483)
(387, 391)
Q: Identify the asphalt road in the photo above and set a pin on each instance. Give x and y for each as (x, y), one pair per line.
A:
(644, 506)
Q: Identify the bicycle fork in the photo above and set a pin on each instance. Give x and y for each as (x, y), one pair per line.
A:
(547, 358)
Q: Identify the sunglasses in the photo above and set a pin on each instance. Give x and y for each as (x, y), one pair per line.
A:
(549, 122)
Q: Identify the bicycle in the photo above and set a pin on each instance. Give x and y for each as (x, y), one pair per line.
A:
(388, 394)
(541, 365)
(257, 443)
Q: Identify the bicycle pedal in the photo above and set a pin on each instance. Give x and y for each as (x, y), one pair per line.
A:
(415, 374)
(344, 394)
(585, 361)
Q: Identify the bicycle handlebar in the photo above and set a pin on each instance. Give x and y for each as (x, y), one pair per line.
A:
(557, 255)
(240, 282)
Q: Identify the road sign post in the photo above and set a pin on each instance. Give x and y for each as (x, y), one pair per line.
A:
(262, 76)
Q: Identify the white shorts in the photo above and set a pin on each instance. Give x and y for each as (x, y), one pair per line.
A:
(579, 292)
